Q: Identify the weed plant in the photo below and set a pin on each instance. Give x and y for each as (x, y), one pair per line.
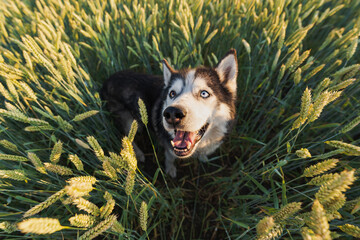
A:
(288, 170)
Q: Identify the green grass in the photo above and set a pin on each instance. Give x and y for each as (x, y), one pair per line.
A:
(54, 57)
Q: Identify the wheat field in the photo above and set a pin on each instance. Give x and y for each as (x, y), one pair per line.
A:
(289, 169)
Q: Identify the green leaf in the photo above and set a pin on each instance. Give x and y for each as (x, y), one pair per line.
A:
(252, 140)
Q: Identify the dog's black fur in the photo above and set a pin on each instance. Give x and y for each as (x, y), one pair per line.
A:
(122, 90)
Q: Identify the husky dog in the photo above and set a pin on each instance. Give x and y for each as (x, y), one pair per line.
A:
(191, 110)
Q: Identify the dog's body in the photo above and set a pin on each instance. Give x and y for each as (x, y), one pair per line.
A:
(191, 110)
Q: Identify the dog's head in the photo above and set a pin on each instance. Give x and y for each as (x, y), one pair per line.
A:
(198, 105)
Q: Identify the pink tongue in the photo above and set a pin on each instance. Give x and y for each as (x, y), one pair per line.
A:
(184, 139)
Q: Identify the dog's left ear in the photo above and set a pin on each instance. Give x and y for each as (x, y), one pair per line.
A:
(227, 70)
(167, 70)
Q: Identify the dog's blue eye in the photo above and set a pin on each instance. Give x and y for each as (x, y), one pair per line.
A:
(204, 94)
(172, 94)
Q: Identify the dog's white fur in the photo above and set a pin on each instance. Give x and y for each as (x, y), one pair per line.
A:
(200, 110)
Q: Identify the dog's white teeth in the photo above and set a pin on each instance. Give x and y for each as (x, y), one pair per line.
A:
(172, 143)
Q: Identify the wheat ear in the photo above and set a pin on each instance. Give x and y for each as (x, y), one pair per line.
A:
(351, 230)
(87, 206)
(303, 153)
(99, 229)
(40, 225)
(287, 211)
(320, 167)
(143, 216)
(18, 175)
(82, 220)
(265, 225)
(41, 206)
(56, 152)
(85, 115)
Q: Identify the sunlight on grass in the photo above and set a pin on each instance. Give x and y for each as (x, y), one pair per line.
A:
(289, 168)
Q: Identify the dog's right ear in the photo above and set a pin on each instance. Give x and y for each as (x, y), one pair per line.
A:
(227, 69)
(168, 70)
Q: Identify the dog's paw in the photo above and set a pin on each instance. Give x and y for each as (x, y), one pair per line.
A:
(171, 170)
(203, 158)
(140, 156)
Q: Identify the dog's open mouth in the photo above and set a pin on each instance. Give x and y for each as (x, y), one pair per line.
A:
(184, 142)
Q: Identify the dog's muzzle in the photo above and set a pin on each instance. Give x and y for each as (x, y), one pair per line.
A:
(184, 142)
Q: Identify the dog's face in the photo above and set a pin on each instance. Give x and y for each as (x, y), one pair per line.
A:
(198, 105)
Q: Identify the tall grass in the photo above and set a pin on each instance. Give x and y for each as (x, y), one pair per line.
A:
(288, 169)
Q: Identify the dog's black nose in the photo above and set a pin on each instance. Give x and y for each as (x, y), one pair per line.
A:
(174, 115)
